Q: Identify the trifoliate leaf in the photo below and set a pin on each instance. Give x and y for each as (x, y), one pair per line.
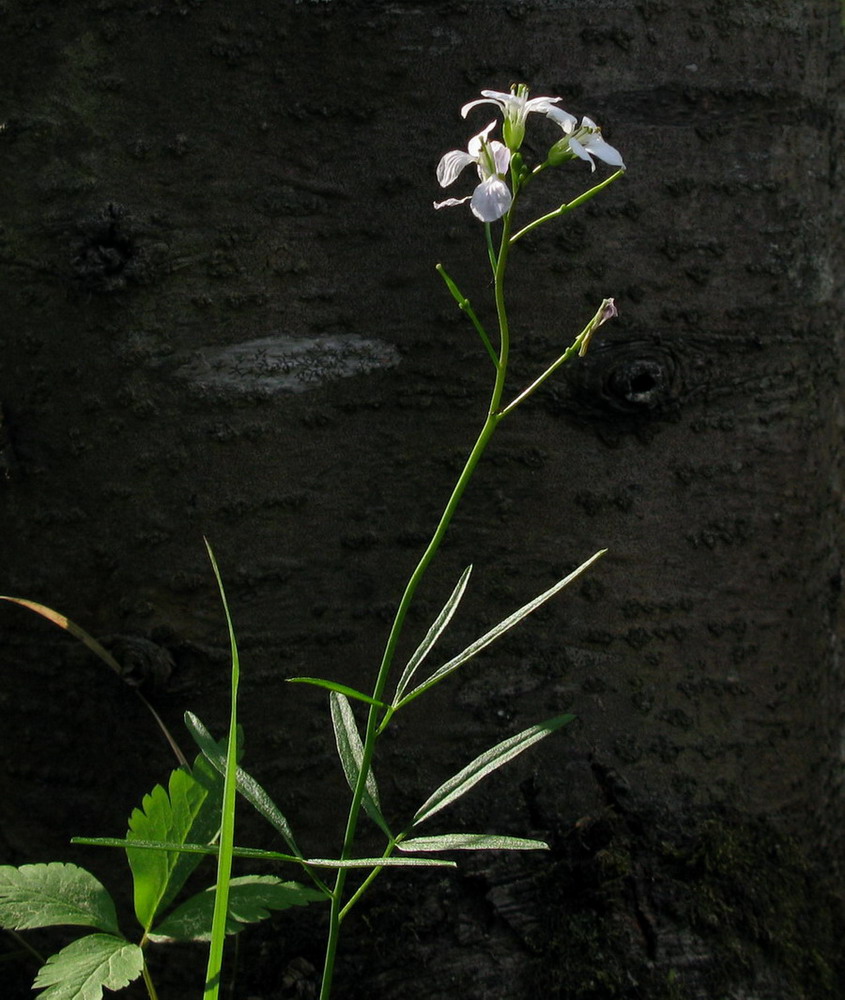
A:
(251, 898)
(55, 893)
(189, 811)
(80, 971)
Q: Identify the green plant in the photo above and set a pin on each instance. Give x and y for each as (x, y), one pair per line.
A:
(503, 176)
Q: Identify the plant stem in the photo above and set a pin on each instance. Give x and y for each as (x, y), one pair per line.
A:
(151, 990)
(567, 206)
(491, 422)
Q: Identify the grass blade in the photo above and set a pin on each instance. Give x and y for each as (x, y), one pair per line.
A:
(498, 630)
(102, 654)
(433, 634)
(485, 764)
(227, 821)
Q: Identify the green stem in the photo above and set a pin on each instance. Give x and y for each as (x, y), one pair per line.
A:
(567, 354)
(490, 424)
(151, 990)
(567, 206)
(465, 306)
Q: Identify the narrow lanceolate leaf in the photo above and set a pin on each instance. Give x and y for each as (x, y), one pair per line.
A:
(80, 971)
(341, 688)
(248, 787)
(496, 631)
(261, 855)
(351, 752)
(433, 634)
(251, 899)
(485, 764)
(472, 842)
(55, 893)
(188, 811)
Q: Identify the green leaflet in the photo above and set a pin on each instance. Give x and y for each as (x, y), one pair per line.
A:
(55, 893)
(188, 811)
(472, 842)
(485, 764)
(251, 898)
(351, 753)
(82, 969)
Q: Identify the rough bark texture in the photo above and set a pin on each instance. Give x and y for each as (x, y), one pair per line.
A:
(221, 317)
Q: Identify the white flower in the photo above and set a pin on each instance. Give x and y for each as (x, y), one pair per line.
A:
(492, 198)
(584, 141)
(515, 107)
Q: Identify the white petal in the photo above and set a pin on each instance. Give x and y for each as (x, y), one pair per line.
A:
(450, 166)
(451, 201)
(497, 95)
(566, 121)
(588, 122)
(604, 151)
(465, 110)
(541, 104)
(474, 144)
(501, 156)
(579, 150)
(491, 199)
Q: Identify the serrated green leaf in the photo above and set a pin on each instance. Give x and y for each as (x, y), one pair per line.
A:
(433, 634)
(251, 899)
(188, 811)
(351, 752)
(497, 630)
(51, 894)
(82, 969)
(248, 787)
(485, 764)
(472, 842)
(334, 686)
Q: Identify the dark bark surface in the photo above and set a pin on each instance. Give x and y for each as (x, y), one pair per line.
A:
(221, 317)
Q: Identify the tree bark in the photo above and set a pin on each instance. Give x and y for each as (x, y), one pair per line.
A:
(222, 318)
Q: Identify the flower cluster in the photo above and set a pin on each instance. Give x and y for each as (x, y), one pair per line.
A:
(492, 198)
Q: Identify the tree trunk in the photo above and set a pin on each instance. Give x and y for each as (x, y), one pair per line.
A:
(222, 318)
